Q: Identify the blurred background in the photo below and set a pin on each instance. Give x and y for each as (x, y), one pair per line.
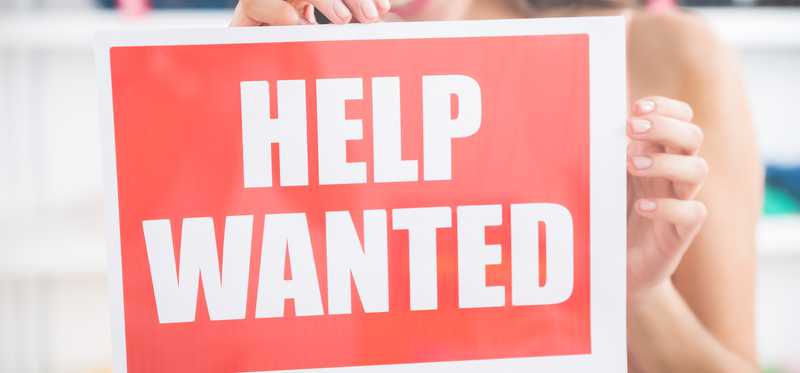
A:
(53, 310)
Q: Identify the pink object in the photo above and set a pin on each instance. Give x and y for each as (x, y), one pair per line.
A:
(133, 7)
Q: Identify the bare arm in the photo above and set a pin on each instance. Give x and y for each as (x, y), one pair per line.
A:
(703, 320)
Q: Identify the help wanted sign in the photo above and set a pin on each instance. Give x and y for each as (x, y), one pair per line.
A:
(428, 197)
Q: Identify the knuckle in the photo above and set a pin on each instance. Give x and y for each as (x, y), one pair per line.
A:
(287, 13)
(247, 6)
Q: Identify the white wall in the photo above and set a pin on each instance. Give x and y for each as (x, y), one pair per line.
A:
(54, 324)
(773, 79)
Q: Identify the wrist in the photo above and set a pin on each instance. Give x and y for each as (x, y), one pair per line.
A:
(650, 297)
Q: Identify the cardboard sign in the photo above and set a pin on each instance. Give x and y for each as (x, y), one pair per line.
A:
(428, 196)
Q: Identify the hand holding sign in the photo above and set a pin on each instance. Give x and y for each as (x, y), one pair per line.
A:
(665, 175)
(294, 12)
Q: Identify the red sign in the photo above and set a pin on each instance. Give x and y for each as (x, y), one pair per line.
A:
(344, 203)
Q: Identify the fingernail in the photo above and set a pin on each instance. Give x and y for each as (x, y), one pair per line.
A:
(341, 11)
(369, 10)
(308, 14)
(640, 125)
(647, 205)
(641, 162)
(384, 5)
(645, 106)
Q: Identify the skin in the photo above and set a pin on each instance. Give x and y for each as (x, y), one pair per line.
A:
(691, 233)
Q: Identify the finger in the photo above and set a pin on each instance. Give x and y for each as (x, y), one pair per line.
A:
(308, 14)
(240, 19)
(365, 11)
(666, 131)
(335, 10)
(306, 11)
(384, 6)
(270, 12)
(664, 106)
(686, 216)
(644, 147)
(673, 167)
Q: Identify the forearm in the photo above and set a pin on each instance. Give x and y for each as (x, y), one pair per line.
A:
(665, 336)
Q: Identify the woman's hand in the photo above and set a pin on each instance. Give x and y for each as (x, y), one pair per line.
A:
(299, 12)
(664, 175)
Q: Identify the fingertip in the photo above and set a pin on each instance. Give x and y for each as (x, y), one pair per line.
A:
(705, 169)
(308, 14)
(645, 106)
(342, 13)
(641, 162)
(700, 134)
(646, 205)
(639, 126)
(384, 6)
(689, 111)
(370, 10)
(367, 11)
(701, 211)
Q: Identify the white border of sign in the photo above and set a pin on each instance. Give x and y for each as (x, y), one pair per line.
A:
(607, 80)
